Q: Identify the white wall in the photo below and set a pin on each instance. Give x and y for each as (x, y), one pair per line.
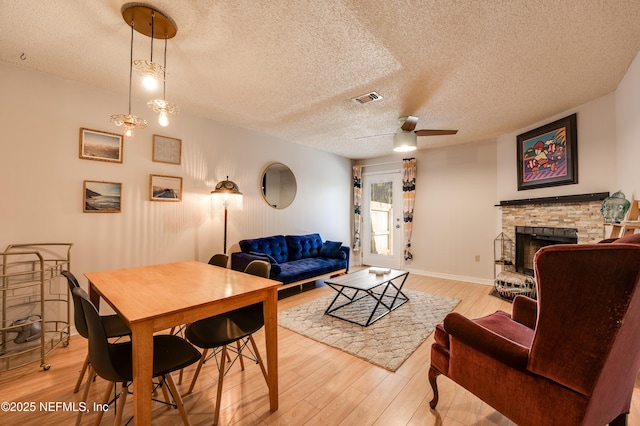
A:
(42, 180)
(454, 210)
(628, 131)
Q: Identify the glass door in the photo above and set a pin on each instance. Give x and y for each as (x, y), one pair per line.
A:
(382, 220)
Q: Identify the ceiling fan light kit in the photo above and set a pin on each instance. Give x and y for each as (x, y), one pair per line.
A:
(406, 138)
(405, 141)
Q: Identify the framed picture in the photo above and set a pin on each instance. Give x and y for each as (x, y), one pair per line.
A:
(548, 155)
(167, 150)
(166, 188)
(100, 146)
(102, 197)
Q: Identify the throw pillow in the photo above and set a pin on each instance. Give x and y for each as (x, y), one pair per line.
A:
(330, 249)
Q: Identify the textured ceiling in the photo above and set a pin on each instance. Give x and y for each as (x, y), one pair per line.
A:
(290, 68)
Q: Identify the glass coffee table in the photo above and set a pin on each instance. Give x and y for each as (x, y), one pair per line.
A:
(364, 297)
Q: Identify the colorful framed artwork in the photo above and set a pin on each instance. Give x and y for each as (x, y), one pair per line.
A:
(102, 197)
(165, 188)
(548, 155)
(167, 150)
(100, 146)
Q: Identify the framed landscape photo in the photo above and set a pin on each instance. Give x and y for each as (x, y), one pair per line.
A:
(166, 188)
(102, 197)
(167, 150)
(548, 155)
(100, 146)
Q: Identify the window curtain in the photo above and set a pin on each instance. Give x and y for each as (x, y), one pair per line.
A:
(357, 206)
(408, 201)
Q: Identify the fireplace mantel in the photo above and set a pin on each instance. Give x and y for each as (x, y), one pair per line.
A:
(580, 198)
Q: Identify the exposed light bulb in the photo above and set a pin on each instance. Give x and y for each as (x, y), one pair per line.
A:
(150, 82)
(128, 133)
(163, 118)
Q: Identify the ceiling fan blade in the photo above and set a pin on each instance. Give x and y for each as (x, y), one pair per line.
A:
(427, 132)
(409, 123)
(374, 136)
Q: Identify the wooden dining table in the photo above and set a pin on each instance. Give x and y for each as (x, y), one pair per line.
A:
(158, 297)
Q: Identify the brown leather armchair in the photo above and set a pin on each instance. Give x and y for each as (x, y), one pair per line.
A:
(569, 358)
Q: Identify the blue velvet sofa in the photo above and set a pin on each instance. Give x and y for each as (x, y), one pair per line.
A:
(295, 259)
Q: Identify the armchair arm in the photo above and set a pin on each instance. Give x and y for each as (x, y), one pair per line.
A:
(485, 341)
(347, 251)
(525, 311)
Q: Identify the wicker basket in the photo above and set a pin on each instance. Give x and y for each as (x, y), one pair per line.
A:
(510, 284)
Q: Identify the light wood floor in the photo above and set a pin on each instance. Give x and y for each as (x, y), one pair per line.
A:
(319, 385)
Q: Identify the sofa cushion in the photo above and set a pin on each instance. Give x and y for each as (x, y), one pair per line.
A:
(310, 267)
(330, 249)
(275, 246)
(303, 246)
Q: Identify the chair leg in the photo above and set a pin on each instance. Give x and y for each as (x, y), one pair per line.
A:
(195, 375)
(260, 363)
(223, 361)
(82, 372)
(167, 398)
(122, 400)
(621, 420)
(239, 354)
(85, 394)
(105, 401)
(433, 375)
(178, 399)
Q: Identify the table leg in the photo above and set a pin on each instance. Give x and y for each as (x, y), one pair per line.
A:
(142, 342)
(271, 342)
(94, 296)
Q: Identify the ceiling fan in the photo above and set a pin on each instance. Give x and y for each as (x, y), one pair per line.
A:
(405, 139)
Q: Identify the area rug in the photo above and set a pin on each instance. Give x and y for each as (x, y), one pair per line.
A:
(387, 342)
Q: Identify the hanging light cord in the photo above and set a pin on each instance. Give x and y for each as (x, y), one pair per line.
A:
(164, 71)
(153, 15)
(130, 66)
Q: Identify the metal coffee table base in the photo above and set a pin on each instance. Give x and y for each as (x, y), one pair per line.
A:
(376, 296)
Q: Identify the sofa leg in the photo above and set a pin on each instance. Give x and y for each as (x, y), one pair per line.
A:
(433, 375)
(621, 420)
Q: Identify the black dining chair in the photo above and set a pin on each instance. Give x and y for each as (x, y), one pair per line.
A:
(219, 260)
(220, 331)
(114, 327)
(113, 361)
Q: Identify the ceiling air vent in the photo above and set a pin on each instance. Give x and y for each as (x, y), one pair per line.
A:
(368, 97)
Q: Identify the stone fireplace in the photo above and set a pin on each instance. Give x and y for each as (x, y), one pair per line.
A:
(568, 219)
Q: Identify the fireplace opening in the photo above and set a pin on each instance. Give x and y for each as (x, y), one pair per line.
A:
(529, 239)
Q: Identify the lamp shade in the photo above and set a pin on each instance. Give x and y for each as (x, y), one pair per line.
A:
(227, 194)
(404, 141)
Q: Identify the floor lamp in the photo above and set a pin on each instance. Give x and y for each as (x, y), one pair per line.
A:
(227, 194)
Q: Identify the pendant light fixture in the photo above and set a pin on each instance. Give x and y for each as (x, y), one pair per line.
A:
(162, 106)
(153, 23)
(129, 121)
(150, 71)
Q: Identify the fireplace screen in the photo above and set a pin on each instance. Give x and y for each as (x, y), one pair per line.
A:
(529, 239)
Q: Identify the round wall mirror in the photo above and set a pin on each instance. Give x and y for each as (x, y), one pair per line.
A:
(278, 185)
